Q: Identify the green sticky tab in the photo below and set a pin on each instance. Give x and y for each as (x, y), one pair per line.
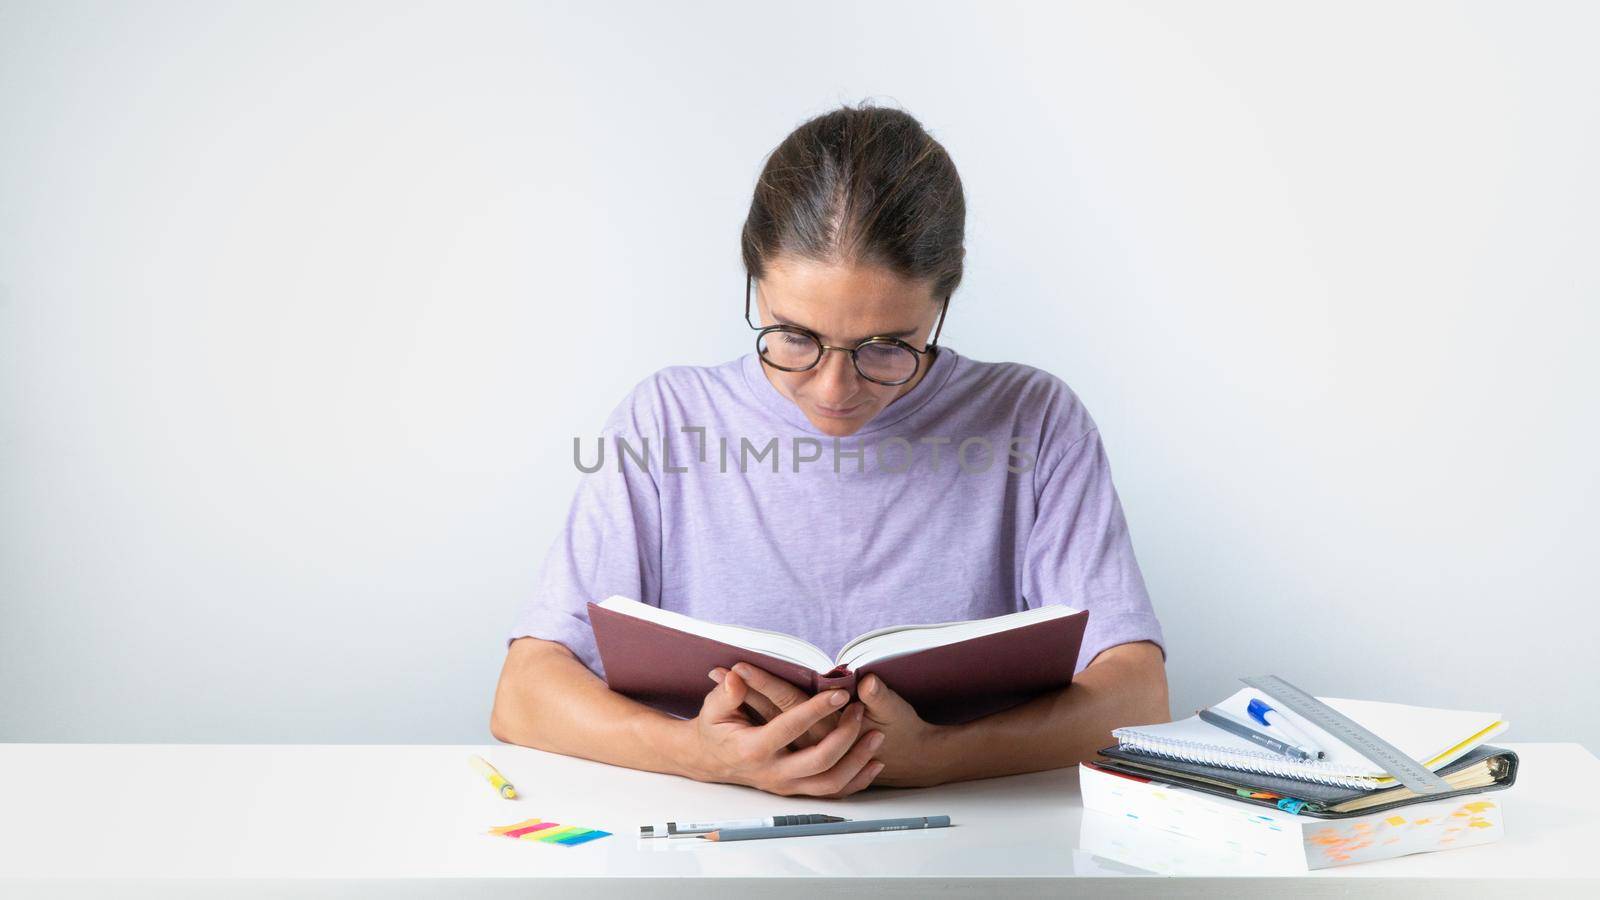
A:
(556, 833)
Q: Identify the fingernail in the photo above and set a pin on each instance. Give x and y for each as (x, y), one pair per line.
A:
(838, 698)
(875, 741)
(742, 669)
(870, 685)
(714, 675)
(876, 768)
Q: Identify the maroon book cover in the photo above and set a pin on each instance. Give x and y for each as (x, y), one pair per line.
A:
(666, 668)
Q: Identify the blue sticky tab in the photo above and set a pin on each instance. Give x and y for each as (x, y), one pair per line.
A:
(1290, 805)
(582, 838)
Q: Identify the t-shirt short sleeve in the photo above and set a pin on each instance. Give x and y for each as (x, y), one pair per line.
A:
(1079, 552)
(610, 542)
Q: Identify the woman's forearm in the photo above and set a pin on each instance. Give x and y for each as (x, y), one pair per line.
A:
(1125, 685)
(548, 700)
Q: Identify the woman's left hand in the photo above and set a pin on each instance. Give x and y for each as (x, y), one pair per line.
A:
(913, 751)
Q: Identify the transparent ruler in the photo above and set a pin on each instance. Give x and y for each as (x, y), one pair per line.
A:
(1406, 770)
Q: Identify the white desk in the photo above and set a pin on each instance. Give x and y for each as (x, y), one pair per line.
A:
(167, 820)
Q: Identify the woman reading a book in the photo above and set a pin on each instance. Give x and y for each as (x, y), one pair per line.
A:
(849, 474)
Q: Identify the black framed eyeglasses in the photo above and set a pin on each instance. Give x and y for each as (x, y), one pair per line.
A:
(884, 360)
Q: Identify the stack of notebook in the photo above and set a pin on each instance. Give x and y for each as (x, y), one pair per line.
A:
(1208, 788)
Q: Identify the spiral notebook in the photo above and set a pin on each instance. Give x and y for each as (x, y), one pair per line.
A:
(1433, 737)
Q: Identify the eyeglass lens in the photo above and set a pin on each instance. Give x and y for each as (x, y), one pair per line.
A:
(876, 360)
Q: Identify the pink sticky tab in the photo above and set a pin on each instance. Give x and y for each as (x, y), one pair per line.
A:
(530, 829)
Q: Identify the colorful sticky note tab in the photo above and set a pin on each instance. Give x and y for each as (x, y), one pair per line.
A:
(549, 832)
(523, 832)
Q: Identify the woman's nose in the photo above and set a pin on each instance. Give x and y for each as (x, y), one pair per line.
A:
(837, 371)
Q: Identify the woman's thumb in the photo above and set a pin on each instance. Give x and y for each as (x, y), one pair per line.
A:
(726, 697)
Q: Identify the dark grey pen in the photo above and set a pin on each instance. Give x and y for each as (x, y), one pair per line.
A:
(1234, 726)
(750, 834)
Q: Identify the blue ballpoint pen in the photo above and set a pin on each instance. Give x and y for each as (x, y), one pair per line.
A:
(1271, 718)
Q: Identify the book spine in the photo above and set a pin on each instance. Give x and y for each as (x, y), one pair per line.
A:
(837, 678)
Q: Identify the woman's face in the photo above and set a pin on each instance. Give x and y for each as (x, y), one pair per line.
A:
(843, 305)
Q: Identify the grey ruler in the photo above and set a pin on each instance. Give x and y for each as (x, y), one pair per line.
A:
(1406, 770)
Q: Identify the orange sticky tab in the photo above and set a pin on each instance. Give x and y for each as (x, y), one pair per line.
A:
(502, 829)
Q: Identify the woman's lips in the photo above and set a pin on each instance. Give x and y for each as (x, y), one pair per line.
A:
(845, 413)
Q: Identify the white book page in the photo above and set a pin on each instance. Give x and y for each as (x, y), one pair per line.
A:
(772, 643)
(887, 643)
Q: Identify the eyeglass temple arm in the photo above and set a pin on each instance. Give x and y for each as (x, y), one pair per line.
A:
(943, 309)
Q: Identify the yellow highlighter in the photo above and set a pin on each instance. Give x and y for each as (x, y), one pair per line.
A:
(482, 767)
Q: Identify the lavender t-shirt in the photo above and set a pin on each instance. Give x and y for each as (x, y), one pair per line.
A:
(983, 490)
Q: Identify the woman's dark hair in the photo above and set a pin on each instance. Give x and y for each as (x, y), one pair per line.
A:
(863, 185)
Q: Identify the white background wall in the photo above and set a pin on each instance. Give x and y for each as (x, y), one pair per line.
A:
(301, 307)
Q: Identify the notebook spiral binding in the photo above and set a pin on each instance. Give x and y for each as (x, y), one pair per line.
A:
(1316, 771)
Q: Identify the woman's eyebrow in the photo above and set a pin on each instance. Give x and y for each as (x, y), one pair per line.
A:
(903, 333)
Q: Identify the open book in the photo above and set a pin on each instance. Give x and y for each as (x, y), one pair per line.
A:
(950, 672)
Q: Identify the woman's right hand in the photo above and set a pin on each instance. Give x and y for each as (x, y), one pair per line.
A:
(732, 749)
(767, 696)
